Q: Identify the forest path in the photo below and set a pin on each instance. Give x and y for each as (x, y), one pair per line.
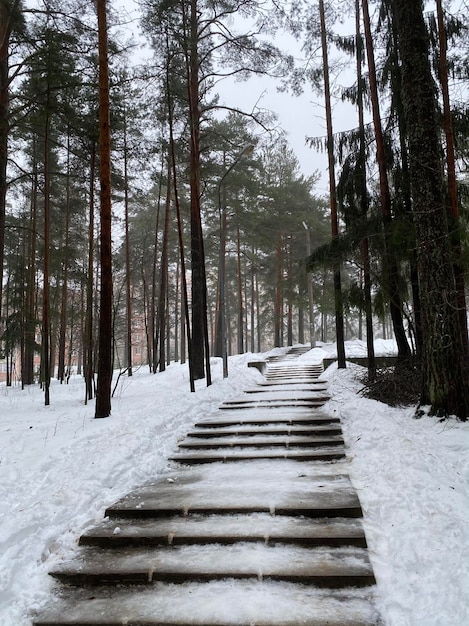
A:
(254, 523)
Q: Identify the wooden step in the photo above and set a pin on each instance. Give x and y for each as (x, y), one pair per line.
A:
(285, 404)
(324, 454)
(219, 603)
(223, 529)
(280, 429)
(262, 441)
(326, 498)
(271, 416)
(323, 567)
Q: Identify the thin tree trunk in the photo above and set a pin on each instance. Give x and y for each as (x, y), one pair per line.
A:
(364, 204)
(278, 295)
(240, 296)
(6, 17)
(153, 327)
(162, 300)
(253, 308)
(45, 356)
(128, 299)
(63, 304)
(290, 306)
(184, 294)
(339, 314)
(176, 312)
(103, 395)
(30, 323)
(88, 343)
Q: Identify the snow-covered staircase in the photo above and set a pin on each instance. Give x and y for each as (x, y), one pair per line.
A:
(255, 523)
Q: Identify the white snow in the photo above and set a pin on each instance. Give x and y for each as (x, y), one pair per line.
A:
(60, 469)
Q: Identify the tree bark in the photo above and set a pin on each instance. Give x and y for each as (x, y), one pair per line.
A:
(364, 203)
(338, 302)
(64, 298)
(391, 269)
(103, 394)
(452, 184)
(88, 351)
(128, 299)
(163, 300)
(278, 295)
(240, 296)
(444, 364)
(45, 356)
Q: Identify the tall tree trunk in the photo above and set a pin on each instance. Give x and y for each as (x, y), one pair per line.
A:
(444, 364)
(185, 318)
(338, 302)
(240, 296)
(27, 370)
(88, 343)
(253, 307)
(455, 229)
(278, 295)
(64, 298)
(289, 306)
(103, 393)
(45, 356)
(6, 22)
(153, 326)
(162, 300)
(364, 202)
(390, 263)
(199, 295)
(128, 299)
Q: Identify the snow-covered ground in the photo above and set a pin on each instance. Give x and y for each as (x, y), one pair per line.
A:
(60, 468)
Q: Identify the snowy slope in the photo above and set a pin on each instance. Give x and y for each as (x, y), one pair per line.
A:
(60, 468)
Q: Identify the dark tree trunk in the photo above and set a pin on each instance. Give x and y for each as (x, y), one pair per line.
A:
(338, 302)
(278, 296)
(390, 264)
(240, 297)
(364, 204)
(128, 299)
(5, 32)
(103, 393)
(199, 296)
(444, 364)
(162, 300)
(185, 317)
(452, 185)
(64, 298)
(88, 347)
(30, 317)
(45, 356)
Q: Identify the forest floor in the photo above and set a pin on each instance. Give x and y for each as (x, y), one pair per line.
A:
(60, 469)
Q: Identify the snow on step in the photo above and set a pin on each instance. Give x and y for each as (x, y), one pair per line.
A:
(225, 529)
(275, 429)
(273, 403)
(242, 490)
(216, 603)
(291, 388)
(269, 415)
(323, 567)
(312, 382)
(262, 441)
(319, 454)
(279, 394)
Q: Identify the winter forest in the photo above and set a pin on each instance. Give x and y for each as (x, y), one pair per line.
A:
(146, 219)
